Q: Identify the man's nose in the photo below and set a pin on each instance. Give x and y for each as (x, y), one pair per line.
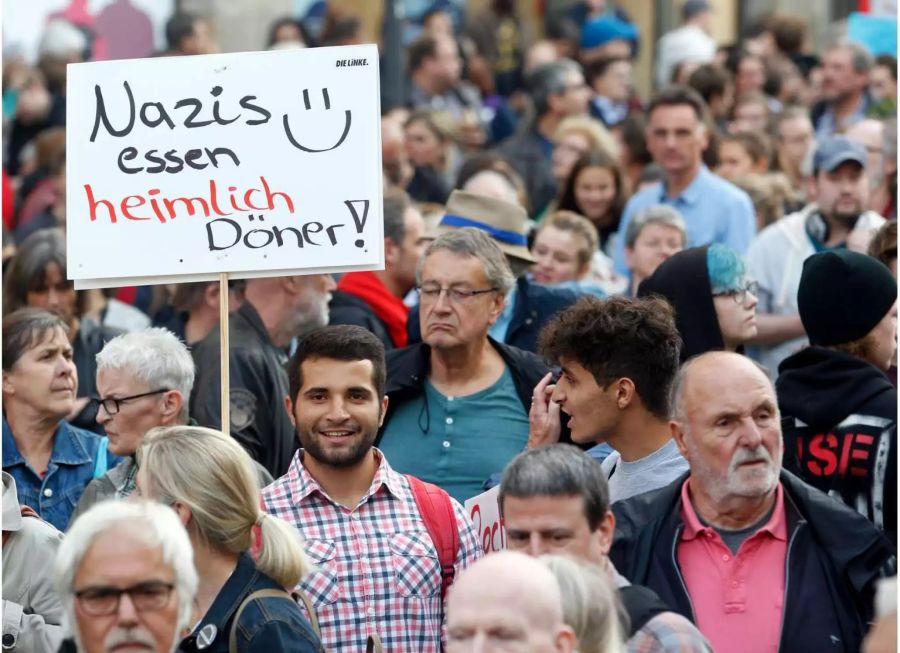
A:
(750, 437)
(337, 410)
(536, 545)
(127, 614)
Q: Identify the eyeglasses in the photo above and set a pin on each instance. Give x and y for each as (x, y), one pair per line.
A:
(104, 601)
(112, 406)
(456, 295)
(739, 295)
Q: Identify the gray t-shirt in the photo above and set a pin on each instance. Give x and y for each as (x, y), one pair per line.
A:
(648, 473)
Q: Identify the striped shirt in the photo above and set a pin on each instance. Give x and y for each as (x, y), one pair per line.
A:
(377, 569)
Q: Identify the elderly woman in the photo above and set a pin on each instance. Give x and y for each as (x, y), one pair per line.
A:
(50, 460)
(654, 235)
(210, 482)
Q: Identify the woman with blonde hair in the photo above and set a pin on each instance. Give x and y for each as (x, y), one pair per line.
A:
(575, 136)
(241, 603)
(591, 606)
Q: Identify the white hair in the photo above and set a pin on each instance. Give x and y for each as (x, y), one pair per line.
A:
(156, 356)
(154, 523)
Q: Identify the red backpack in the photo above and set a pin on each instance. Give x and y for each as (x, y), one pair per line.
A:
(437, 511)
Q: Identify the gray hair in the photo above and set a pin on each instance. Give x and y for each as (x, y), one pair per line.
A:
(396, 202)
(656, 214)
(558, 470)
(549, 79)
(860, 56)
(470, 241)
(154, 524)
(154, 355)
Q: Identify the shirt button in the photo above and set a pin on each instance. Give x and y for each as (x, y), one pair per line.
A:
(449, 398)
(449, 420)
(726, 558)
(446, 444)
(48, 493)
(371, 612)
(734, 583)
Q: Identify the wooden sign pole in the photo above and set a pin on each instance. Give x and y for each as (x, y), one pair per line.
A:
(223, 352)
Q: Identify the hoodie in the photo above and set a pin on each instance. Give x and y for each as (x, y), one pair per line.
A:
(839, 419)
(683, 280)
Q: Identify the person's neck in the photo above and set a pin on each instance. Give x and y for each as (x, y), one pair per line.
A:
(546, 125)
(639, 434)
(392, 284)
(677, 182)
(199, 323)
(214, 568)
(271, 312)
(838, 230)
(845, 107)
(466, 366)
(345, 485)
(32, 431)
(733, 514)
(426, 83)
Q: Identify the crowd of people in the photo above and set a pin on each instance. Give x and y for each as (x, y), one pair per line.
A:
(664, 328)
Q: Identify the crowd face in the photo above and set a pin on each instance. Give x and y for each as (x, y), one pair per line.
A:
(734, 161)
(883, 83)
(654, 244)
(840, 81)
(574, 100)
(309, 306)
(750, 117)
(796, 137)
(592, 410)
(446, 65)
(402, 260)
(56, 294)
(44, 378)
(751, 75)
(731, 434)
(676, 138)
(450, 322)
(842, 194)
(595, 191)
(144, 619)
(423, 146)
(736, 314)
(545, 524)
(883, 341)
(555, 251)
(567, 150)
(337, 412)
(615, 83)
(127, 427)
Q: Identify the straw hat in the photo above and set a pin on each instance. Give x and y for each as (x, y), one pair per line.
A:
(506, 223)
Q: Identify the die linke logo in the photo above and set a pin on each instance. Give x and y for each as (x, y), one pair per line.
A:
(347, 63)
(828, 454)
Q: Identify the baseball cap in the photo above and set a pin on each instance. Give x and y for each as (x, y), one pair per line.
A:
(833, 151)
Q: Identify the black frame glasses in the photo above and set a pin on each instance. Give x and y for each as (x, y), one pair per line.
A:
(104, 601)
(455, 295)
(113, 405)
(739, 295)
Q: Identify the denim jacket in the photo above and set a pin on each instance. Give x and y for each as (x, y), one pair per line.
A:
(267, 625)
(71, 468)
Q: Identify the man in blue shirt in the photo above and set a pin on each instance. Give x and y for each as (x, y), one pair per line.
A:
(715, 210)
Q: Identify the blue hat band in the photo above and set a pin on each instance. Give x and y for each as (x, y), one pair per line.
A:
(511, 237)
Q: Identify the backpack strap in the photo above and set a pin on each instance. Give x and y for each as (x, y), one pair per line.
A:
(101, 461)
(258, 594)
(302, 597)
(437, 512)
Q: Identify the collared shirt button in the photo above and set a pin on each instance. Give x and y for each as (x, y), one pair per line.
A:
(446, 444)
(734, 583)
(48, 493)
(371, 612)
(449, 398)
(726, 557)
(449, 420)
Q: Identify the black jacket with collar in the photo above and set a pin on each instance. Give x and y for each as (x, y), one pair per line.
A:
(834, 557)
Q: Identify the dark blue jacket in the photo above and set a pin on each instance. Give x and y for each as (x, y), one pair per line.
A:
(834, 557)
(267, 625)
(71, 468)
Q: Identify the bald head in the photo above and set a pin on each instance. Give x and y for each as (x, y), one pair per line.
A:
(509, 593)
(701, 372)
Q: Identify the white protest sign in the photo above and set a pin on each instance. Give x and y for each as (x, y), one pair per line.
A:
(254, 164)
(484, 510)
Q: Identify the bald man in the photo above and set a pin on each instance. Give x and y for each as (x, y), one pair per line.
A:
(507, 601)
(755, 557)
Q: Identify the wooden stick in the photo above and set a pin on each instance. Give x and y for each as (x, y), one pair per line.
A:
(223, 352)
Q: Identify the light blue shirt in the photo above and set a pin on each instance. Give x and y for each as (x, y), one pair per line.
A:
(715, 211)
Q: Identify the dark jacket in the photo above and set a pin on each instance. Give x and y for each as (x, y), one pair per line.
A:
(834, 557)
(269, 624)
(258, 386)
(535, 305)
(350, 309)
(89, 340)
(407, 371)
(683, 280)
(529, 153)
(839, 419)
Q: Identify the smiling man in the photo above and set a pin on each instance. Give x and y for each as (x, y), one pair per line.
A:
(755, 557)
(378, 571)
(143, 381)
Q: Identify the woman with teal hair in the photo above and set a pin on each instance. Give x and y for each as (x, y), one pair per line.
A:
(714, 302)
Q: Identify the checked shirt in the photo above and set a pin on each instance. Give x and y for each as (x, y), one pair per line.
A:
(377, 569)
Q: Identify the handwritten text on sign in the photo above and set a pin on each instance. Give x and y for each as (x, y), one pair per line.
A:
(484, 510)
(241, 163)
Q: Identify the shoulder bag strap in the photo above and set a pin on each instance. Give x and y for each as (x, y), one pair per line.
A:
(302, 597)
(258, 594)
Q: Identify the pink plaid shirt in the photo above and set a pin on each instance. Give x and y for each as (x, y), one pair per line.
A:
(377, 569)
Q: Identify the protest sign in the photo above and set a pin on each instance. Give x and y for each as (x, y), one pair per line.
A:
(251, 164)
(484, 510)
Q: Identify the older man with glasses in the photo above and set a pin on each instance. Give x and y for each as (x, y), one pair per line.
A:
(126, 577)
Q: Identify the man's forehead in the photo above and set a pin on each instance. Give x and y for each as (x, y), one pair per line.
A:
(716, 383)
(444, 265)
(544, 511)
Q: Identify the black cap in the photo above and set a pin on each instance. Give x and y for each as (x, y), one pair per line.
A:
(843, 296)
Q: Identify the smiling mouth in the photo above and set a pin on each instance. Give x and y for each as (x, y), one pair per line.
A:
(337, 434)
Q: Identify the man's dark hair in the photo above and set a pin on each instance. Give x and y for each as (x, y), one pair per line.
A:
(619, 337)
(343, 342)
(888, 61)
(424, 47)
(554, 471)
(598, 68)
(549, 79)
(789, 33)
(634, 137)
(396, 201)
(28, 270)
(25, 328)
(179, 27)
(709, 80)
(676, 95)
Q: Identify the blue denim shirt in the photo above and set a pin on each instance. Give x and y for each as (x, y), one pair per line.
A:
(71, 468)
(268, 624)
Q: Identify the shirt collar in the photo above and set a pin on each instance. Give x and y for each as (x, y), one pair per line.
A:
(692, 193)
(302, 484)
(68, 447)
(776, 526)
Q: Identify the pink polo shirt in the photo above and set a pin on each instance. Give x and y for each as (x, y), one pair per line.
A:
(738, 600)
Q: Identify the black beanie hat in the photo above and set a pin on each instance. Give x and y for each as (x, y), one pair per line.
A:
(843, 295)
